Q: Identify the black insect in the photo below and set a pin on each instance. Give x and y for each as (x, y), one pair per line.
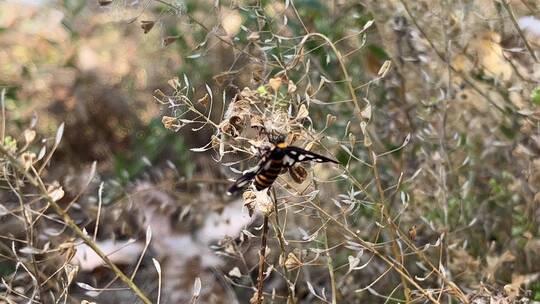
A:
(272, 163)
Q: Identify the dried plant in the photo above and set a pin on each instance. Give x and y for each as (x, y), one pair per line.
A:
(431, 109)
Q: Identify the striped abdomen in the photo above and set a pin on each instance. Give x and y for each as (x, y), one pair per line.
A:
(268, 175)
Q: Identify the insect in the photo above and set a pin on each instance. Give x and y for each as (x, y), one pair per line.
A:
(272, 162)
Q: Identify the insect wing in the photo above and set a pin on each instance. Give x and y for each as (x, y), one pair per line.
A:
(245, 179)
(295, 154)
(241, 182)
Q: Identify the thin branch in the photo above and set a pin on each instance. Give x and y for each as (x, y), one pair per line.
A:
(508, 8)
(262, 259)
(38, 183)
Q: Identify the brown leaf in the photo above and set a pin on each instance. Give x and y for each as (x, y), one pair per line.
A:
(298, 174)
(104, 2)
(275, 83)
(147, 25)
(27, 159)
(291, 87)
(29, 135)
(168, 122)
(302, 112)
(495, 262)
(169, 39)
(204, 100)
(412, 232)
(257, 121)
(229, 129)
(249, 201)
(292, 261)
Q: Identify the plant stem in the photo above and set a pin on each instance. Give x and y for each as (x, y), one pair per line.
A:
(262, 258)
(38, 183)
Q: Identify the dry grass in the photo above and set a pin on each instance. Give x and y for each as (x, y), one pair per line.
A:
(431, 109)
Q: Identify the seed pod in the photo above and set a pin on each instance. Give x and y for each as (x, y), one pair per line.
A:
(292, 261)
(228, 129)
(298, 174)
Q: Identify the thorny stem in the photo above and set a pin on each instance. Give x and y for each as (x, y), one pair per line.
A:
(262, 258)
(38, 183)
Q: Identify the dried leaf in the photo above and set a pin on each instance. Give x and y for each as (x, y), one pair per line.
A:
(147, 25)
(275, 83)
(298, 174)
(384, 68)
(292, 261)
(29, 136)
(413, 232)
(168, 122)
(366, 112)
(204, 100)
(59, 134)
(249, 201)
(353, 262)
(55, 192)
(302, 112)
(330, 120)
(235, 273)
(291, 88)
(197, 286)
(367, 138)
(495, 262)
(157, 265)
(169, 40)
(104, 2)
(27, 159)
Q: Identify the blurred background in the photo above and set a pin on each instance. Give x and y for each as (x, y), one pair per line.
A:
(446, 95)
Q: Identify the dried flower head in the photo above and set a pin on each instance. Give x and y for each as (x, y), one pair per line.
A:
(27, 159)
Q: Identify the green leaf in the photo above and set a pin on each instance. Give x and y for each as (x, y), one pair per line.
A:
(262, 90)
(535, 95)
